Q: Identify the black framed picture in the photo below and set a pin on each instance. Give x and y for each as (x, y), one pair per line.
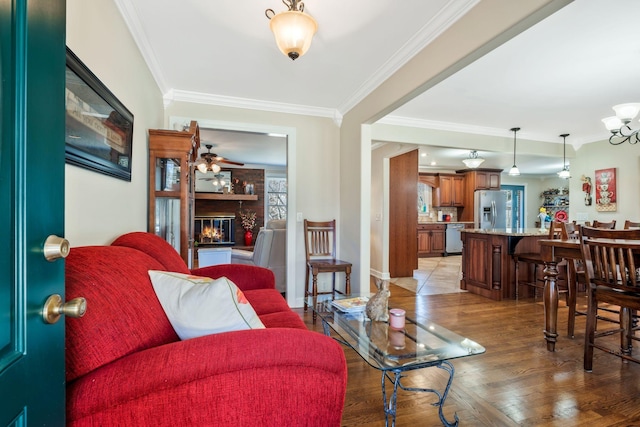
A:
(99, 128)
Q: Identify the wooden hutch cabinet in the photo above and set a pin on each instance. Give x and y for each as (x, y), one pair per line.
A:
(171, 186)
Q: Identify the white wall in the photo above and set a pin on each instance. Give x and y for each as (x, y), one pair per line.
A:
(99, 208)
(602, 155)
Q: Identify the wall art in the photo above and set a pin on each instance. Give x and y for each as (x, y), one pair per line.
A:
(606, 192)
(98, 127)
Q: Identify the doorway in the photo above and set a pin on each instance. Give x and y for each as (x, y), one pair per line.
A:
(295, 297)
(515, 205)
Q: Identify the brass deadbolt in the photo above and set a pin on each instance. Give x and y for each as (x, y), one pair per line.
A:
(55, 247)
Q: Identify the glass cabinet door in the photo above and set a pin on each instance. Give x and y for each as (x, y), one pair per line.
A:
(167, 207)
(167, 220)
(167, 174)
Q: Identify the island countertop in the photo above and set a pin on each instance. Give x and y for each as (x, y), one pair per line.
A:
(522, 232)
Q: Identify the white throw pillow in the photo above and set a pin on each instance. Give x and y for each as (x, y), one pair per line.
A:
(198, 306)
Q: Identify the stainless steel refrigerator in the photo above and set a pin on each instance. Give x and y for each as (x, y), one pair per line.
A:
(490, 209)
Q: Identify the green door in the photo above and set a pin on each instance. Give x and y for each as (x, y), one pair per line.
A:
(32, 67)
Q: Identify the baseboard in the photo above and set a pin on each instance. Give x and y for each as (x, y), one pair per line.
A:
(380, 275)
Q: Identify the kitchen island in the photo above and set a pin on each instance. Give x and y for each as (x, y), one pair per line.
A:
(487, 259)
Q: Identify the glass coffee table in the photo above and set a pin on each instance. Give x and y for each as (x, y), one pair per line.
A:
(394, 352)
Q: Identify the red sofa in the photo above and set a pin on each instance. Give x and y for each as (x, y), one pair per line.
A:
(126, 366)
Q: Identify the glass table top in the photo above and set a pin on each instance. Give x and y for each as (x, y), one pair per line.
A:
(418, 345)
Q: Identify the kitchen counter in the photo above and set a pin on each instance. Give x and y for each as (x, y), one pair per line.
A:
(488, 268)
(522, 232)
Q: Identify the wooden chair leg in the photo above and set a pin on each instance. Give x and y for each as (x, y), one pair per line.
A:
(572, 285)
(306, 288)
(590, 330)
(333, 284)
(517, 271)
(315, 293)
(347, 286)
(625, 335)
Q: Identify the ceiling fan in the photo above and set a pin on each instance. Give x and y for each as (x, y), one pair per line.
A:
(209, 161)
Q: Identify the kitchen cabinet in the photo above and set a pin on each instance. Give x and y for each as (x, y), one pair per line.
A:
(431, 239)
(476, 179)
(484, 179)
(450, 191)
(171, 187)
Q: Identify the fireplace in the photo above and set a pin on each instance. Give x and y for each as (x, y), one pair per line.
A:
(215, 230)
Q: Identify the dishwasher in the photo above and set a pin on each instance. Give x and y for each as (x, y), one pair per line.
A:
(453, 241)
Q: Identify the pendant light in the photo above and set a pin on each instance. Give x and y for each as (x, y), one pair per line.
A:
(292, 29)
(473, 161)
(564, 173)
(514, 171)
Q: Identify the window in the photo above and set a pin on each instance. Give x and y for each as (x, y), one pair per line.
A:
(276, 197)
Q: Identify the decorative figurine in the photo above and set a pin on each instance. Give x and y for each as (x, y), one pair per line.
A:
(586, 187)
(543, 217)
(378, 305)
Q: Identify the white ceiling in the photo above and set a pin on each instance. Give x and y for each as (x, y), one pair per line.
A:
(560, 76)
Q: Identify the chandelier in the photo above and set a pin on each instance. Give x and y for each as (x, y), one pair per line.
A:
(292, 29)
(619, 124)
(473, 161)
(564, 173)
(514, 171)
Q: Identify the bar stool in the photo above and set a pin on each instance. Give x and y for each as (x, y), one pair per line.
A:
(533, 259)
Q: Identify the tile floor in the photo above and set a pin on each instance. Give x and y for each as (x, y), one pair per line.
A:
(436, 275)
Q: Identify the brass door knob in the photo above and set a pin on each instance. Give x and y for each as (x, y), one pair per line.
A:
(55, 247)
(54, 308)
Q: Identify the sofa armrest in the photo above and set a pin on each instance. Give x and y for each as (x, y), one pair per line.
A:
(246, 277)
(294, 377)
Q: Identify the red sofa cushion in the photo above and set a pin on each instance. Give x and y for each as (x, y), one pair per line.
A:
(123, 314)
(156, 247)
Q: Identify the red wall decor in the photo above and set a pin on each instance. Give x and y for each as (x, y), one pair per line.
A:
(606, 192)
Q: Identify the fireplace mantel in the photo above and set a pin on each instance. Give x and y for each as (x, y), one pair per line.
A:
(218, 196)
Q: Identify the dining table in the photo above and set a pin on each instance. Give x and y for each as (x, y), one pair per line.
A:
(552, 252)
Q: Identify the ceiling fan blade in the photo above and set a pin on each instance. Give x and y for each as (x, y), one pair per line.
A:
(230, 162)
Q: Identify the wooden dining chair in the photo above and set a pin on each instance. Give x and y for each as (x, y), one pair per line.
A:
(535, 265)
(611, 258)
(628, 225)
(320, 248)
(607, 225)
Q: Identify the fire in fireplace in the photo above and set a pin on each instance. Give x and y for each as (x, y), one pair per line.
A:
(215, 230)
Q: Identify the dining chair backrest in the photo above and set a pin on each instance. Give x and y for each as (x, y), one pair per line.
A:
(608, 225)
(609, 257)
(556, 231)
(628, 225)
(571, 231)
(320, 239)
(606, 233)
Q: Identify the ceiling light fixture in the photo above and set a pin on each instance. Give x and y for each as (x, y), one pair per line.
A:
(293, 29)
(619, 124)
(514, 171)
(473, 161)
(564, 173)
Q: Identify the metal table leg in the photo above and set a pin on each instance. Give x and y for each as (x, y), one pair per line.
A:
(390, 404)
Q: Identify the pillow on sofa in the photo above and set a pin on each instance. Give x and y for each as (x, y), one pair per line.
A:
(199, 306)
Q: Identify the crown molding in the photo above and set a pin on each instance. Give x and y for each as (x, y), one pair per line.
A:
(252, 104)
(432, 29)
(481, 130)
(132, 20)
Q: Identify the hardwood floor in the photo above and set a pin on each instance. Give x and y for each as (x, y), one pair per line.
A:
(517, 382)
